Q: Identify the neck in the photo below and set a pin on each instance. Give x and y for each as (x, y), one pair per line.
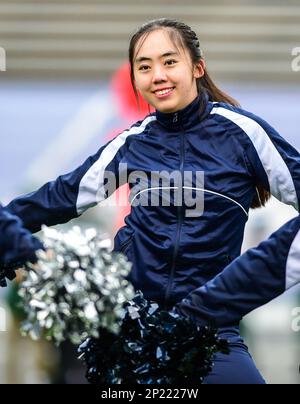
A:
(186, 116)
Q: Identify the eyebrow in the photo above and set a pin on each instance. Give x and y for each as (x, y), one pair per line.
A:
(144, 58)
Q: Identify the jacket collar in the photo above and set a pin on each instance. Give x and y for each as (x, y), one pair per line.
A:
(189, 116)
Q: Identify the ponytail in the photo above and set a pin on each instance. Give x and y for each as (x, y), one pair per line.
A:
(214, 93)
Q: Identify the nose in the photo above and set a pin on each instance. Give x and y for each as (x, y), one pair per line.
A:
(159, 74)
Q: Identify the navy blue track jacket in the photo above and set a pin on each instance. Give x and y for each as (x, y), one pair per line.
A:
(173, 252)
(17, 245)
(258, 276)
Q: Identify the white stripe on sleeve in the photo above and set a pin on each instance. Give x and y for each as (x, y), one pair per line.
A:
(91, 188)
(280, 179)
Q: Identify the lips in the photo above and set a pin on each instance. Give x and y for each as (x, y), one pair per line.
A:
(163, 92)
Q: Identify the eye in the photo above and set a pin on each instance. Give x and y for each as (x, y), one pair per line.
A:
(170, 62)
(144, 67)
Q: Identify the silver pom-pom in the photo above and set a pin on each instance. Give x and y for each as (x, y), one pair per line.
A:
(77, 286)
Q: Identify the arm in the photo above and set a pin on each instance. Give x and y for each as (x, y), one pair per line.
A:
(252, 280)
(17, 245)
(70, 195)
(273, 161)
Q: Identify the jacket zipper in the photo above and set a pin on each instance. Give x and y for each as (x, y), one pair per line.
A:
(179, 223)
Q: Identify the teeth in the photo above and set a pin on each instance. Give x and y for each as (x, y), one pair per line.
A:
(164, 91)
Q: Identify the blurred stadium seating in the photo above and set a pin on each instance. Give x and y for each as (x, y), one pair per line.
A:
(242, 39)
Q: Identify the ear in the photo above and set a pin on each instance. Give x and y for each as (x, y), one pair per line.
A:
(199, 69)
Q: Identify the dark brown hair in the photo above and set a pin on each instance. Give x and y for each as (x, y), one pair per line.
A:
(183, 35)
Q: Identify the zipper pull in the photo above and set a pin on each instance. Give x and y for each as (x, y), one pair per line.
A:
(175, 118)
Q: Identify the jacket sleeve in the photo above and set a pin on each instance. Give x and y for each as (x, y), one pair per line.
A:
(252, 280)
(17, 245)
(70, 195)
(273, 161)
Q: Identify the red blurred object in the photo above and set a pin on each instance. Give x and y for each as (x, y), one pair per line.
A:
(125, 98)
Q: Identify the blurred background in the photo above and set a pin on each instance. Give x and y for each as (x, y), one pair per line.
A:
(66, 92)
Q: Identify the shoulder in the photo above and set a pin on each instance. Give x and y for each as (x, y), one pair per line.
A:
(245, 120)
(121, 141)
(138, 128)
(245, 123)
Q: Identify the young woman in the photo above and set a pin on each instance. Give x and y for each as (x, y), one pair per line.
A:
(17, 245)
(195, 167)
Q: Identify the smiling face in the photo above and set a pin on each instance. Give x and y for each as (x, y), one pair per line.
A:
(164, 73)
